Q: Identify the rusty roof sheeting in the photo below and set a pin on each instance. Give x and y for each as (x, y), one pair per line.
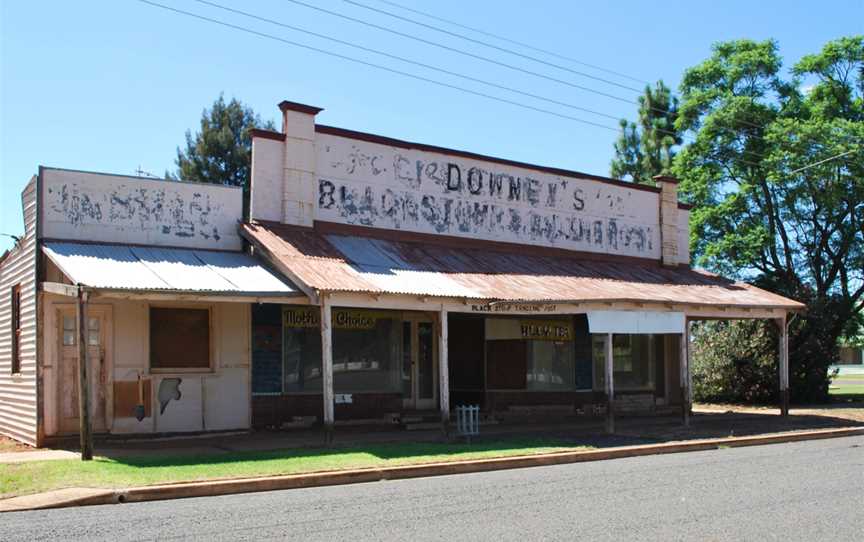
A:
(355, 263)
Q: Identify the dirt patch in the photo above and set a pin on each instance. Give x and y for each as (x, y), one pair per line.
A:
(851, 411)
(10, 445)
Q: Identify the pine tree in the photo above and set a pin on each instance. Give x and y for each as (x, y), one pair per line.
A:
(646, 148)
(221, 152)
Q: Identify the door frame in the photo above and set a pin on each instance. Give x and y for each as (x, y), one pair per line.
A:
(413, 401)
(106, 313)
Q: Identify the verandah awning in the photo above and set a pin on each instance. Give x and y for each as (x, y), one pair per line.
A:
(141, 269)
(363, 260)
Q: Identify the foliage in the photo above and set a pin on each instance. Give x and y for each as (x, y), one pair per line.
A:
(221, 152)
(760, 213)
(732, 362)
(646, 149)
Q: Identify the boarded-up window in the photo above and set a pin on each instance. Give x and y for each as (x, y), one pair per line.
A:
(16, 329)
(179, 338)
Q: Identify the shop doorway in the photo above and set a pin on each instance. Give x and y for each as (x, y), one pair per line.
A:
(419, 362)
(98, 353)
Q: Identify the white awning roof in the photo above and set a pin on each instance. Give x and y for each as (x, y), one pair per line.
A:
(166, 270)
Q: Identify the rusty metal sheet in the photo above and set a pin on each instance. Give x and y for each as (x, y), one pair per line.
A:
(150, 268)
(357, 263)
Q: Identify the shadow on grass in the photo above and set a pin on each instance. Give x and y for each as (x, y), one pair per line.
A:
(383, 452)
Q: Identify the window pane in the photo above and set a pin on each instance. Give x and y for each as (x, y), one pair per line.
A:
(267, 370)
(302, 347)
(68, 338)
(93, 337)
(633, 362)
(68, 323)
(179, 338)
(367, 351)
(551, 365)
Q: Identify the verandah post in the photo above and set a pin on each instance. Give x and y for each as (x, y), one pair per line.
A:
(443, 372)
(783, 348)
(610, 386)
(85, 426)
(684, 372)
(327, 367)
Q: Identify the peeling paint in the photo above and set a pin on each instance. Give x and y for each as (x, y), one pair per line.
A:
(145, 211)
(433, 193)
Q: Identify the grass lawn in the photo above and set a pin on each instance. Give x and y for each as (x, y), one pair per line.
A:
(847, 387)
(33, 477)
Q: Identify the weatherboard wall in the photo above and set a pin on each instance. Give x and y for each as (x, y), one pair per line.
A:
(19, 391)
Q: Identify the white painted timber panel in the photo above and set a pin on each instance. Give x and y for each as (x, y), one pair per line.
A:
(376, 185)
(135, 210)
(635, 322)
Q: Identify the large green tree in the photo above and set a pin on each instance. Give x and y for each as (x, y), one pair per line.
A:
(776, 173)
(646, 147)
(221, 151)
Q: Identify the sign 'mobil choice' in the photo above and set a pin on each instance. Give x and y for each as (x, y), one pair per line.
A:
(308, 317)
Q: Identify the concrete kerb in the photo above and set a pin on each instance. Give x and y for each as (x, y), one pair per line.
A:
(86, 496)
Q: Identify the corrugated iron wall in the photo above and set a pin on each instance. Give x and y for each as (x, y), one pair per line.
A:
(18, 395)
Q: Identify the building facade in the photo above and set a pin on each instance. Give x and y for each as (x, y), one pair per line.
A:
(436, 277)
(375, 280)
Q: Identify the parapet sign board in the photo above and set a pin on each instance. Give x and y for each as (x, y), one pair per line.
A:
(376, 185)
(136, 210)
(534, 329)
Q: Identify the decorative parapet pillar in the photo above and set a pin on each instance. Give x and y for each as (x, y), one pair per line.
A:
(668, 219)
(299, 162)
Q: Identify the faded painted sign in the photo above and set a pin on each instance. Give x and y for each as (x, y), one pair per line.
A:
(375, 185)
(87, 206)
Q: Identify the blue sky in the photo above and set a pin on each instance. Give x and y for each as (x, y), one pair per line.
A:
(113, 85)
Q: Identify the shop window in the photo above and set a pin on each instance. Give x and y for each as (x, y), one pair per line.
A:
(301, 348)
(633, 360)
(267, 337)
(179, 338)
(367, 351)
(530, 354)
(16, 328)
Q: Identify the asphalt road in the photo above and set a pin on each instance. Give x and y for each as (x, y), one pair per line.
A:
(800, 491)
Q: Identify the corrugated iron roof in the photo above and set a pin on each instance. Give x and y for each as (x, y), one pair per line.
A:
(338, 262)
(150, 268)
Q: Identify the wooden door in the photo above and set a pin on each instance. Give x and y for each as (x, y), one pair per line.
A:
(98, 352)
(420, 365)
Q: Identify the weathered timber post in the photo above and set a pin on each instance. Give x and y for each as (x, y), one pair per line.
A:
(327, 367)
(684, 372)
(783, 347)
(85, 426)
(443, 373)
(610, 386)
